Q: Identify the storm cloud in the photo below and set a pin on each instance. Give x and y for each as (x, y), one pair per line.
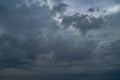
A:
(40, 39)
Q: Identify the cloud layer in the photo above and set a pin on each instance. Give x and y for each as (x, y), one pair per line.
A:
(39, 37)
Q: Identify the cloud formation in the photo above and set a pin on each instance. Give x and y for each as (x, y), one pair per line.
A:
(39, 37)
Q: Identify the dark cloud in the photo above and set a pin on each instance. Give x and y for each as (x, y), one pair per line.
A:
(84, 23)
(66, 53)
(32, 34)
(41, 32)
(22, 28)
(36, 45)
(91, 10)
(15, 53)
(24, 18)
(60, 8)
(112, 53)
(94, 9)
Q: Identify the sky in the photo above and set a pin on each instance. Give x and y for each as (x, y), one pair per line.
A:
(59, 40)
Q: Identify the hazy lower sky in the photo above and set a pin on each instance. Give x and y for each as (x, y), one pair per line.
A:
(59, 40)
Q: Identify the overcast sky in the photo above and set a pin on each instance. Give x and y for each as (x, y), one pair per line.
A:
(59, 39)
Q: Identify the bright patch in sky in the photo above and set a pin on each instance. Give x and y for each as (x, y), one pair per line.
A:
(114, 9)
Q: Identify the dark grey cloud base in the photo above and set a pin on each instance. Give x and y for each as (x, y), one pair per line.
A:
(39, 40)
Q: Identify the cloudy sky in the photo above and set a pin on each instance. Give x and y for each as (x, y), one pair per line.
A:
(59, 40)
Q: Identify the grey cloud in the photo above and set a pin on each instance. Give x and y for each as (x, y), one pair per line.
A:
(16, 54)
(36, 44)
(25, 18)
(67, 53)
(84, 23)
(60, 8)
(91, 10)
(41, 35)
(94, 9)
(112, 53)
(27, 30)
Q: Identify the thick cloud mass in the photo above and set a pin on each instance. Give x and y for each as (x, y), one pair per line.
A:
(41, 39)
(84, 22)
(16, 53)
